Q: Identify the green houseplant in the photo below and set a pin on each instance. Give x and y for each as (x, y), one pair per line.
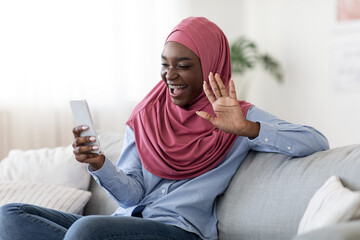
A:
(245, 56)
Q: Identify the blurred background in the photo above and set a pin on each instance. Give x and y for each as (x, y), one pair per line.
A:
(108, 52)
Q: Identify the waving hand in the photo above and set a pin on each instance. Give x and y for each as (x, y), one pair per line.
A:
(228, 115)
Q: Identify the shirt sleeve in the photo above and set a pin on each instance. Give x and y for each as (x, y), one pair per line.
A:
(280, 136)
(123, 182)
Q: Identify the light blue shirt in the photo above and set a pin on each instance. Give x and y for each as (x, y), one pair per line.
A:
(191, 203)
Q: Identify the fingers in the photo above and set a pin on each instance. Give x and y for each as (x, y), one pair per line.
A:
(81, 145)
(223, 91)
(84, 154)
(85, 149)
(90, 157)
(81, 140)
(78, 129)
(214, 85)
(232, 90)
(217, 85)
(209, 94)
(205, 115)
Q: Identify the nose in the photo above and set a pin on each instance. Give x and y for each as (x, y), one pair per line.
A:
(171, 74)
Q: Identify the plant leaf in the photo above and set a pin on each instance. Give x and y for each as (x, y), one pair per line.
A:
(245, 56)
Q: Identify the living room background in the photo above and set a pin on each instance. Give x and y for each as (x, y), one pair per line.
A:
(109, 53)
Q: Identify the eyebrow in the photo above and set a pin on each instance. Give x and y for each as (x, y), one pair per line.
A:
(179, 59)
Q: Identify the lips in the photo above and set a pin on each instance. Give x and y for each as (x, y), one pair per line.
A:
(177, 90)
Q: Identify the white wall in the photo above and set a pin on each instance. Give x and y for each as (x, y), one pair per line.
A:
(302, 34)
(105, 51)
(108, 52)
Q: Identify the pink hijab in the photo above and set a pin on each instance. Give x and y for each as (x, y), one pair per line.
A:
(173, 142)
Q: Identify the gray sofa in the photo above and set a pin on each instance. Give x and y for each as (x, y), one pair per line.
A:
(267, 197)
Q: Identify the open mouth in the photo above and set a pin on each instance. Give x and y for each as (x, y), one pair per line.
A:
(176, 90)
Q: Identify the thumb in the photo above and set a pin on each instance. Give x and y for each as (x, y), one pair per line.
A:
(205, 115)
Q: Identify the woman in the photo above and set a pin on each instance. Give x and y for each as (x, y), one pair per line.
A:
(183, 144)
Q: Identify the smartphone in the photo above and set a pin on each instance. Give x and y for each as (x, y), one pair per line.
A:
(82, 116)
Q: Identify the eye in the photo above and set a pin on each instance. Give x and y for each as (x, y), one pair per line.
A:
(184, 66)
(164, 64)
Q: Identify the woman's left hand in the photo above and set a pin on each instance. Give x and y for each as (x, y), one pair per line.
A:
(229, 117)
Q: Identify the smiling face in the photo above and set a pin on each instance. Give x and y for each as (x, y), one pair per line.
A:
(181, 72)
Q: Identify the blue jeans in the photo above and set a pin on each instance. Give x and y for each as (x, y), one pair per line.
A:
(24, 221)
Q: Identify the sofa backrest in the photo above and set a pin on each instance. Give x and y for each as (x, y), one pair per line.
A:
(268, 195)
(100, 203)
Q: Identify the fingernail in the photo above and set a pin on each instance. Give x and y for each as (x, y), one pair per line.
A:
(92, 139)
(95, 147)
(84, 127)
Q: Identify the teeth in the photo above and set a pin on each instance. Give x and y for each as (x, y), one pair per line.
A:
(177, 86)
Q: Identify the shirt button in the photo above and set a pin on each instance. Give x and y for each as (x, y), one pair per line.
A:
(163, 190)
(266, 139)
(289, 148)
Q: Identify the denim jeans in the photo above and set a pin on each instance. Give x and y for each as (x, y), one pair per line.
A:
(24, 221)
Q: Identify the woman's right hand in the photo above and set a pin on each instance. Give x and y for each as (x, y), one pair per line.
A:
(82, 152)
(228, 114)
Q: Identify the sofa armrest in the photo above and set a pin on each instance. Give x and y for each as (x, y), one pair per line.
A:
(341, 231)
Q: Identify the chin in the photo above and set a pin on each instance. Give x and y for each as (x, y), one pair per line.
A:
(178, 103)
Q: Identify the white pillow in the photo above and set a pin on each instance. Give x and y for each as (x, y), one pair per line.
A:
(57, 165)
(56, 197)
(331, 204)
(54, 166)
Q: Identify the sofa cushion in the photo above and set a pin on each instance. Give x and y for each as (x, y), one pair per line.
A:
(268, 195)
(61, 198)
(47, 165)
(331, 204)
(342, 231)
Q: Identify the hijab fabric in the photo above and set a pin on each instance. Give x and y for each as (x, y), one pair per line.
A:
(174, 142)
